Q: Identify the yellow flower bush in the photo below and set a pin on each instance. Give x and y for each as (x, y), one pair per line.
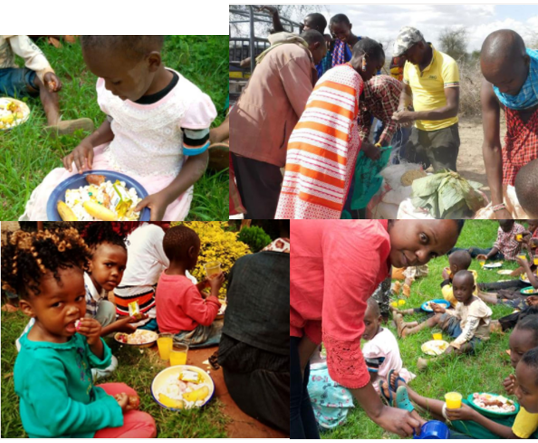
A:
(216, 245)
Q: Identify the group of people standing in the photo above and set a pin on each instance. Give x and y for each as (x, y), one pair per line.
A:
(312, 99)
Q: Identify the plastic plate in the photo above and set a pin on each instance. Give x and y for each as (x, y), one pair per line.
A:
(79, 180)
(141, 345)
(487, 411)
(424, 306)
(530, 290)
(493, 265)
(162, 377)
(432, 344)
(25, 110)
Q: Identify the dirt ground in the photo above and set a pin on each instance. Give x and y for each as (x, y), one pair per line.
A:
(470, 159)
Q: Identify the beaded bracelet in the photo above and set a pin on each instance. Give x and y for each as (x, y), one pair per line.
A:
(500, 207)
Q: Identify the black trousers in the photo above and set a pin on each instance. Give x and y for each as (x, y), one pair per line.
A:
(259, 185)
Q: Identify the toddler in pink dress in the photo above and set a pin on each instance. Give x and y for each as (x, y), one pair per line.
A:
(156, 132)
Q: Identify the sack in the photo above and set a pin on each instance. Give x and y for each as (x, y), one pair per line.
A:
(407, 211)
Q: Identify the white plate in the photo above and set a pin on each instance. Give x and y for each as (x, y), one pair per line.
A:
(434, 347)
(25, 111)
(493, 265)
(505, 272)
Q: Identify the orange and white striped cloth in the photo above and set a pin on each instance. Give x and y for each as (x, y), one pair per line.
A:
(323, 149)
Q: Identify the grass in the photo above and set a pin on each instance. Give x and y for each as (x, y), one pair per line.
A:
(465, 374)
(27, 154)
(135, 369)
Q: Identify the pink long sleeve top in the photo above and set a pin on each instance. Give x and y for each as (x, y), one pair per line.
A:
(335, 267)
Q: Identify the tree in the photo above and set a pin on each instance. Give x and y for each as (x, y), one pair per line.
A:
(454, 42)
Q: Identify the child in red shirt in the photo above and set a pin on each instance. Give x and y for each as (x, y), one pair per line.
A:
(181, 308)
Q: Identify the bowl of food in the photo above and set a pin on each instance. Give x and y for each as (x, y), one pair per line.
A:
(427, 305)
(97, 195)
(139, 338)
(531, 290)
(493, 404)
(434, 347)
(182, 387)
(12, 113)
(523, 277)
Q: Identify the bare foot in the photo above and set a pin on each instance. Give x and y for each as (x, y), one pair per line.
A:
(400, 325)
(68, 127)
(422, 364)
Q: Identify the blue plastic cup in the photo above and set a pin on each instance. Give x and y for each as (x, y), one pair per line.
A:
(433, 429)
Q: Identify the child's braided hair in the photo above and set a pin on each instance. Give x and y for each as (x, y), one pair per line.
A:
(96, 233)
(27, 256)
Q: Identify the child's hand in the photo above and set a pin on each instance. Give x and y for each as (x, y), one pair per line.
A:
(123, 400)
(52, 82)
(217, 282)
(450, 350)
(157, 203)
(463, 413)
(481, 257)
(522, 262)
(446, 273)
(532, 300)
(133, 403)
(82, 156)
(438, 309)
(509, 384)
(91, 329)
(124, 325)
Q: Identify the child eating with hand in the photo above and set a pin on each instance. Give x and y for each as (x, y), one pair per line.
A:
(156, 130)
(52, 372)
(381, 351)
(468, 324)
(524, 384)
(181, 308)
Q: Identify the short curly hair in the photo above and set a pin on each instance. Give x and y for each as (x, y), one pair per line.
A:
(27, 256)
(96, 233)
(133, 46)
(177, 241)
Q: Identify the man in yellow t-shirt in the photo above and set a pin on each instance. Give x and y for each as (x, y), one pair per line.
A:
(430, 98)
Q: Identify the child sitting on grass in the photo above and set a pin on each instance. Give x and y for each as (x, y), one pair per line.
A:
(181, 308)
(157, 129)
(468, 324)
(37, 78)
(52, 372)
(524, 384)
(381, 351)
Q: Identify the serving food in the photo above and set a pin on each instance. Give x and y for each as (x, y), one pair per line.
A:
(12, 113)
(182, 387)
(138, 338)
(434, 347)
(100, 200)
(494, 403)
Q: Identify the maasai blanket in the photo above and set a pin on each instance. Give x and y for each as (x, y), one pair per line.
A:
(323, 148)
(521, 144)
(528, 95)
(341, 53)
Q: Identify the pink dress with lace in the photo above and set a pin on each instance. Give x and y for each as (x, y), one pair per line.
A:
(147, 144)
(335, 267)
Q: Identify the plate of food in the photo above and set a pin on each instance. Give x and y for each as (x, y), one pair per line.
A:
(182, 387)
(505, 272)
(493, 265)
(140, 338)
(523, 277)
(12, 113)
(434, 347)
(493, 404)
(97, 195)
(427, 305)
(531, 290)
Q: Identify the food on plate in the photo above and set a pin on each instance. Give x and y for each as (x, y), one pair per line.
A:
(529, 291)
(100, 200)
(494, 403)
(435, 347)
(179, 393)
(11, 113)
(139, 337)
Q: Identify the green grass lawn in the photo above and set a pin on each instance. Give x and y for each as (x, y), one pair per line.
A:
(465, 374)
(27, 154)
(136, 369)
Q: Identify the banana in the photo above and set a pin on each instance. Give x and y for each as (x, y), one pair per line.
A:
(170, 402)
(199, 394)
(98, 211)
(65, 212)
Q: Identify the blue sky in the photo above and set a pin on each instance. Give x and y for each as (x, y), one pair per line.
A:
(382, 21)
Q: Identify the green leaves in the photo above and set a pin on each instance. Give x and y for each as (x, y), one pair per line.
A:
(447, 195)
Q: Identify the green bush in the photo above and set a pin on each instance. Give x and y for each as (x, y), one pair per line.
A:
(255, 237)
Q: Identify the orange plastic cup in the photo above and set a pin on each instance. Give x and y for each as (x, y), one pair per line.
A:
(453, 400)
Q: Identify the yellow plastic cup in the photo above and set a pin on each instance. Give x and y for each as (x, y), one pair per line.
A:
(522, 256)
(453, 400)
(178, 355)
(519, 237)
(437, 336)
(536, 260)
(401, 302)
(164, 343)
(212, 269)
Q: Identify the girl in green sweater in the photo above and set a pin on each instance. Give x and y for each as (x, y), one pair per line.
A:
(53, 368)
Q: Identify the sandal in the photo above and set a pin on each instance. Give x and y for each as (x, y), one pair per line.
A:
(390, 399)
(402, 399)
(395, 387)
